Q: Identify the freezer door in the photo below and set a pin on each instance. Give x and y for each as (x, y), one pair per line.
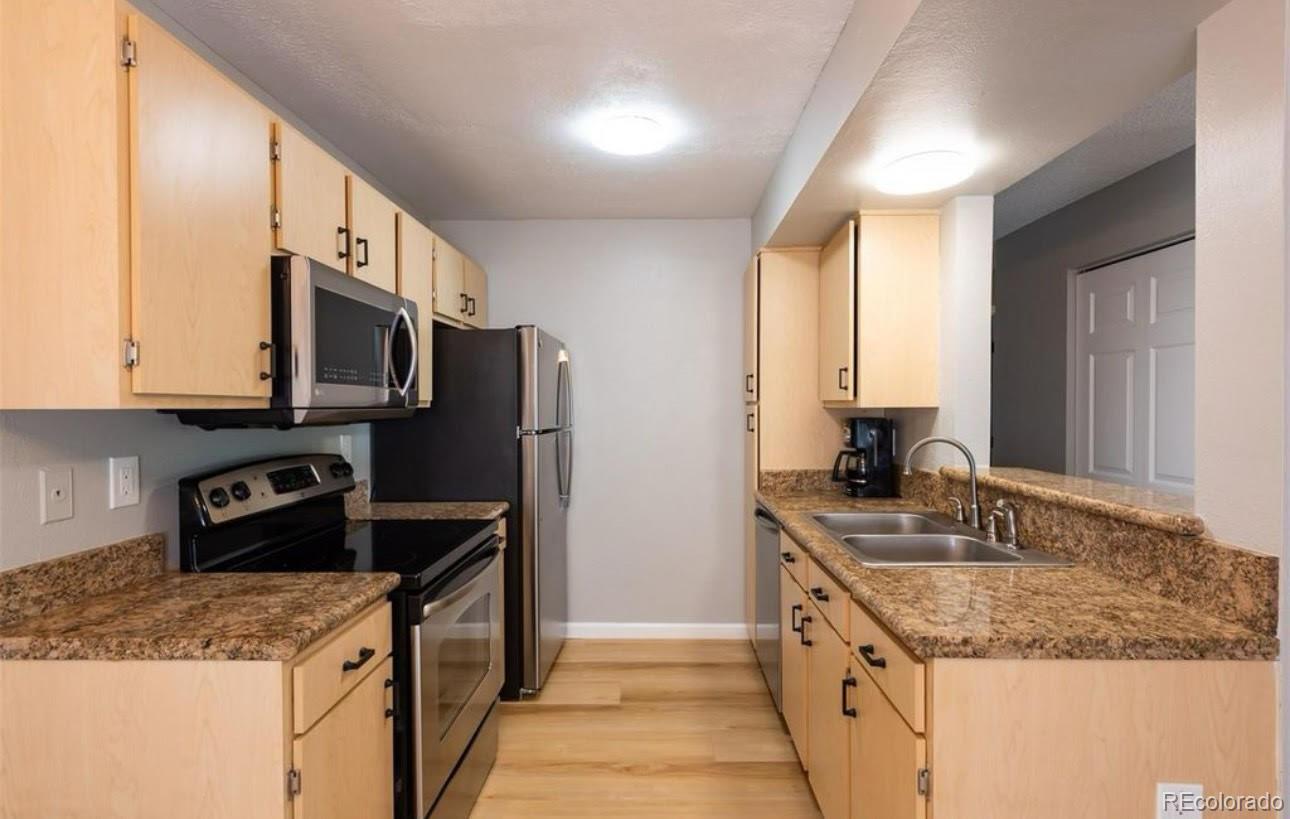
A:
(545, 559)
(543, 379)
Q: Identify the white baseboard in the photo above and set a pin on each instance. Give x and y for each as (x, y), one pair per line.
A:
(658, 631)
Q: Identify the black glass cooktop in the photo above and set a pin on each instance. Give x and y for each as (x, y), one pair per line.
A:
(419, 551)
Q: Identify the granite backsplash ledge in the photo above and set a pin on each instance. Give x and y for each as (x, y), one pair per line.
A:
(1151, 550)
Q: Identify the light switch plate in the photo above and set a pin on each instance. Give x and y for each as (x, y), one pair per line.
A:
(123, 481)
(1178, 800)
(56, 494)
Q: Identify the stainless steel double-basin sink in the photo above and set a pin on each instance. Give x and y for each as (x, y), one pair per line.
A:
(904, 539)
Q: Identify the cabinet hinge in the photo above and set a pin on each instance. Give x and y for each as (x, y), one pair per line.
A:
(924, 782)
(293, 783)
(128, 57)
(275, 150)
(275, 217)
(131, 353)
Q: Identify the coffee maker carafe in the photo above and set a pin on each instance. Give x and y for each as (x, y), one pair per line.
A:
(867, 465)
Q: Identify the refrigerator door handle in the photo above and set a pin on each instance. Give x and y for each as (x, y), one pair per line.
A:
(564, 466)
(564, 393)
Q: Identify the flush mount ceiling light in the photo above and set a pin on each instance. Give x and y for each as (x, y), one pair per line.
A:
(629, 134)
(923, 172)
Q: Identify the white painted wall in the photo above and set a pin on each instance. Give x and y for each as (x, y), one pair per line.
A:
(967, 247)
(167, 451)
(869, 34)
(652, 312)
(1240, 273)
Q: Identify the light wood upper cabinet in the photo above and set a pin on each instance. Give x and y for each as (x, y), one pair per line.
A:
(476, 287)
(828, 761)
(416, 282)
(200, 238)
(838, 316)
(449, 281)
(348, 757)
(309, 190)
(879, 312)
(794, 677)
(372, 229)
(749, 384)
(886, 757)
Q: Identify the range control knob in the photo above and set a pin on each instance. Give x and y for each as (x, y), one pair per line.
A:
(218, 497)
(341, 469)
(240, 490)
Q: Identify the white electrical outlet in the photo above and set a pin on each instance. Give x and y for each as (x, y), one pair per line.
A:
(1178, 801)
(123, 481)
(55, 494)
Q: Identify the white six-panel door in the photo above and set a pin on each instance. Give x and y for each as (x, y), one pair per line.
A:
(1135, 379)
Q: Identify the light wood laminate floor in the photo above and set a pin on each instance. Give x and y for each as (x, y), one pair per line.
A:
(647, 728)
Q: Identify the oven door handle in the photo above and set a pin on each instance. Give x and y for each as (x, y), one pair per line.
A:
(467, 575)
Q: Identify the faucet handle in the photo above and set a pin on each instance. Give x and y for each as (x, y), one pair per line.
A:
(1007, 510)
(960, 513)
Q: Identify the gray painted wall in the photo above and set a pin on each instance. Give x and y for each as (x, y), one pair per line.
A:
(1030, 277)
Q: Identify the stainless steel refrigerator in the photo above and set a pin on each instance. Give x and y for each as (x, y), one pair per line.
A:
(500, 427)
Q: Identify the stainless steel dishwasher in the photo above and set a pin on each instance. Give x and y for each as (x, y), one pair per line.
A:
(767, 608)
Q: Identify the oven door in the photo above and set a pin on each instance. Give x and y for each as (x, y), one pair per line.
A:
(457, 669)
(351, 345)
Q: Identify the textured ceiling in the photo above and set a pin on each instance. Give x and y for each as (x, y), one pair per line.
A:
(1159, 128)
(469, 108)
(1016, 83)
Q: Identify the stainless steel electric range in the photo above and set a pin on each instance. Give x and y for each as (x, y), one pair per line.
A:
(287, 515)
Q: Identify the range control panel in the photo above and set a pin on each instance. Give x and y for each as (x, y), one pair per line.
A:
(254, 488)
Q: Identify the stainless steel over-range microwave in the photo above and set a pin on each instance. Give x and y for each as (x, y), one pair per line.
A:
(343, 351)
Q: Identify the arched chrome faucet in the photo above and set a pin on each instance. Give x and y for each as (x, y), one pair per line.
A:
(974, 511)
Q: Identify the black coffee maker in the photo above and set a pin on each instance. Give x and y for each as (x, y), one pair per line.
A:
(867, 466)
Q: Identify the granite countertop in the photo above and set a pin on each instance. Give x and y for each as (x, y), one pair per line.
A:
(431, 510)
(176, 616)
(1071, 613)
(1132, 504)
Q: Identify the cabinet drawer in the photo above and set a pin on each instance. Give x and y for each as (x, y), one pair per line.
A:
(792, 557)
(342, 662)
(833, 601)
(898, 673)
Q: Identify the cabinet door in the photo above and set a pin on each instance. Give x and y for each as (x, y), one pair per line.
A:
(346, 761)
(449, 281)
(838, 315)
(750, 525)
(793, 659)
(416, 282)
(200, 231)
(886, 756)
(751, 329)
(371, 223)
(829, 750)
(309, 188)
(476, 287)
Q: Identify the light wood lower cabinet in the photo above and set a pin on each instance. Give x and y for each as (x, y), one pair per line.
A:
(828, 761)
(793, 662)
(167, 738)
(888, 735)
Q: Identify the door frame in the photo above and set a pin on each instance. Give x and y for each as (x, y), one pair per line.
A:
(1072, 273)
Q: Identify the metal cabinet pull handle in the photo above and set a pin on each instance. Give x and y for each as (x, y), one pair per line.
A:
(806, 618)
(748, 383)
(393, 712)
(819, 594)
(342, 243)
(273, 362)
(470, 305)
(787, 557)
(361, 260)
(842, 378)
(465, 303)
(364, 654)
(792, 618)
(866, 653)
(749, 423)
(847, 682)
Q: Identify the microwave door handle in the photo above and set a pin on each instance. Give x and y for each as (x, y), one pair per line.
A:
(402, 386)
(412, 361)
